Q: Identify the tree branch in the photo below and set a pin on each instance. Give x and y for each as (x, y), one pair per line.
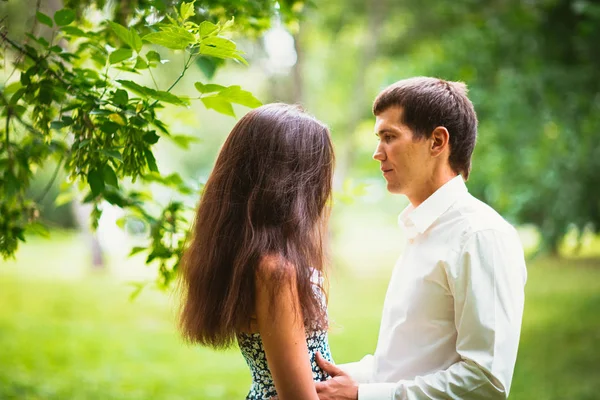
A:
(7, 139)
(33, 57)
(27, 126)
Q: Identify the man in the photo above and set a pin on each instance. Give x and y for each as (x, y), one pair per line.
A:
(452, 314)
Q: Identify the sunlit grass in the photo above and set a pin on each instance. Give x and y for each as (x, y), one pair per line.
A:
(70, 333)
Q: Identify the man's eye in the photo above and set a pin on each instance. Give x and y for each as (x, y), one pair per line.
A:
(387, 138)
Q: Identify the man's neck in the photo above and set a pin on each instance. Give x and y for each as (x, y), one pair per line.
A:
(430, 186)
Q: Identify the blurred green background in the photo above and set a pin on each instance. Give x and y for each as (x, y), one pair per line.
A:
(68, 329)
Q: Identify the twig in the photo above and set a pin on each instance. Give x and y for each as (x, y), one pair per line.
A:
(32, 31)
(185, 68)
(152, 76)
(51, 181)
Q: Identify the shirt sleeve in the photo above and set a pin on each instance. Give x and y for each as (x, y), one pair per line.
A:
(487, 283)
(361, 371)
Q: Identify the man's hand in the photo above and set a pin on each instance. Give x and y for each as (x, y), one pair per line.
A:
(340, 387)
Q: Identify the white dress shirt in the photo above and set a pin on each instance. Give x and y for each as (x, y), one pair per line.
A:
(452, 313)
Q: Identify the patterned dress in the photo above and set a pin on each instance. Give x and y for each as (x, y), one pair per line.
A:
(254, 353)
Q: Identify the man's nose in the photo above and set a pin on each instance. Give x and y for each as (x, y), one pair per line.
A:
(379, 154)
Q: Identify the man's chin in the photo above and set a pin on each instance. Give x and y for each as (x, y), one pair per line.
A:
(394, 189)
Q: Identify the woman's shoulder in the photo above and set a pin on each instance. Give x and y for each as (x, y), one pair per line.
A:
(274, 266)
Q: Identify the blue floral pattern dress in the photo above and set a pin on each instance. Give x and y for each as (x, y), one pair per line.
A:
(262, 381)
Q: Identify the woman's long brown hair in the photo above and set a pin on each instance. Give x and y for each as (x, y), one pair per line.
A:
(267, 195)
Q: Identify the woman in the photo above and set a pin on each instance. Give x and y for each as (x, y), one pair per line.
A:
(254, 267)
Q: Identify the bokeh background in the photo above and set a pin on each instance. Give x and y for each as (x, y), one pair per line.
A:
(69, 330)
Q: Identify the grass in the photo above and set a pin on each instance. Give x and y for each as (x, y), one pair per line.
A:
(69, 333)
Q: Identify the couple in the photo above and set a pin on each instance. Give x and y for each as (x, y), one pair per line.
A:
(252, 272)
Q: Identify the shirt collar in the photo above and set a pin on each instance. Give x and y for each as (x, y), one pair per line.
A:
(417, 220)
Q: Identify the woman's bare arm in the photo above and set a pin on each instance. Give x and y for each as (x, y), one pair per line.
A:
(281, 327)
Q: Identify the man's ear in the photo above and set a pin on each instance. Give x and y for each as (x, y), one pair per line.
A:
(440, 141)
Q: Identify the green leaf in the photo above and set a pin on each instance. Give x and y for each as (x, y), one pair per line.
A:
(117, 118)
(73, 31)
(121, 222)
(120, 55)
(40, 40)
(175, 37)
(153, 56)
(207, 28)
(209, 65)
(236, 95)
(11, 183)
(114, 197)
(220, 47)
(227, 25)
(110, 177)
(155, 94)
(219, 42)
(96, 181)
(37, 228)
(136, 250)
(170, 98)
(67, 121)
(112, 153)
(121, 32)
(44, 19)
(57, 125)
(187, 10)
(151, 160)
(64, 17)
(100, 111)
(183, 141)
(208, 88)
(161, 126)
(18, 94)
(64, 198)
(46, 92)
(120, 97)
(138, 287)
(109, 127)
(140, 63)
(128, 36)
(136, 40)
(219, 104)
(151, 137)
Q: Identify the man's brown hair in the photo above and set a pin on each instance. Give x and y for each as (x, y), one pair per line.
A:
(431, 102)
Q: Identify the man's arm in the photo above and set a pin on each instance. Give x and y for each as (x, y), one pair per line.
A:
(360, 371)
(487, 283)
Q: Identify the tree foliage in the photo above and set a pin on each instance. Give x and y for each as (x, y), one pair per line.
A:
(66, 104)
(533, 69)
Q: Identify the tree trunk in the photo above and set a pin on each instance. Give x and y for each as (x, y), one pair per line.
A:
(347, 152)
(297, 70)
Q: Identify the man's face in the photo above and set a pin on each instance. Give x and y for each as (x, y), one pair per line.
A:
(404, 160)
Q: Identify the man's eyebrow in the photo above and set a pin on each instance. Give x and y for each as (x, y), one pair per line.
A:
(383, 131)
